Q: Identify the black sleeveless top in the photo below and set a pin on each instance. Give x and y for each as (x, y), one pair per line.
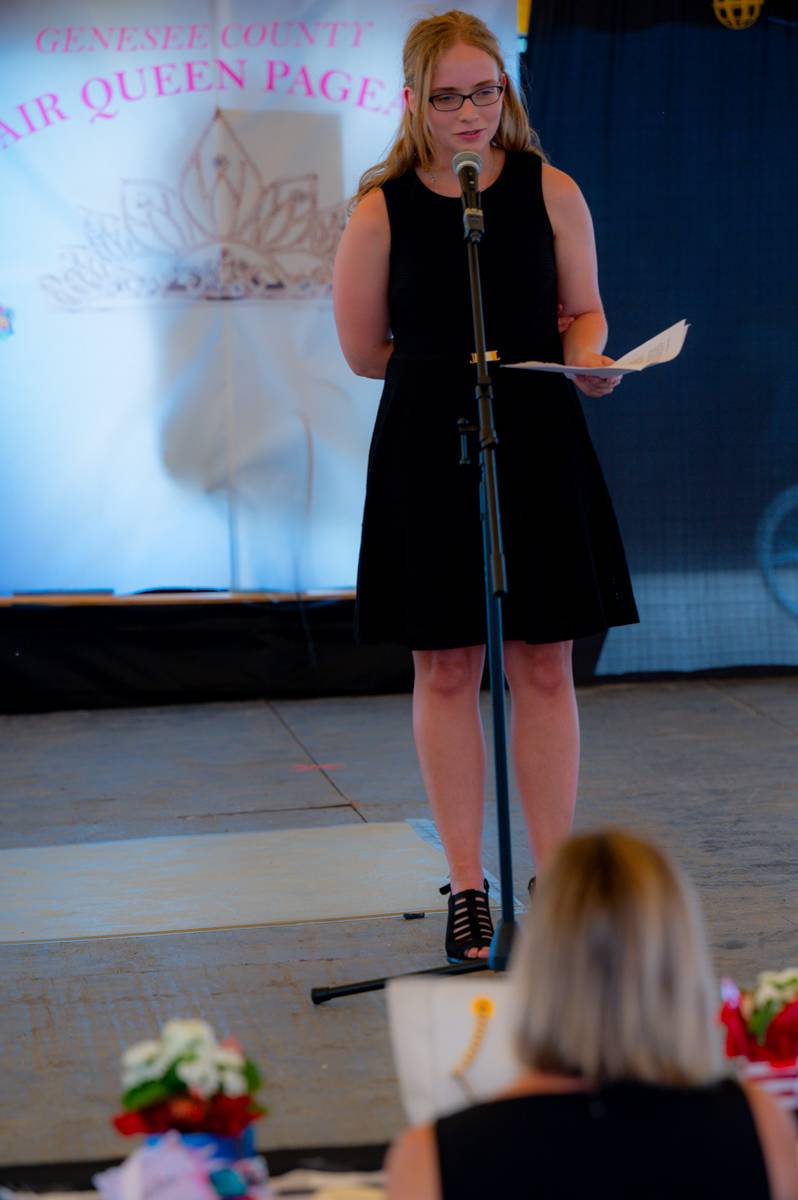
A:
(420, 578)
(627, 1141)
(429, 296)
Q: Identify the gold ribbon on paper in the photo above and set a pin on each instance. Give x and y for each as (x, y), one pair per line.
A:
(483, 1009)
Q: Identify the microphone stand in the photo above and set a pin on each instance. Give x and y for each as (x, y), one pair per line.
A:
(495, 572)
(495, 588)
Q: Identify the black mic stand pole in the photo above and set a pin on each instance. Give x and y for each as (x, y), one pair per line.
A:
(495, 588)
(495, 581)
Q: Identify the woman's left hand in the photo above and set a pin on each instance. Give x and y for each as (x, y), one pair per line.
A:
(593, 385)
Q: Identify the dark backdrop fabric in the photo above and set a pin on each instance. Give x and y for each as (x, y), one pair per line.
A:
(682, 135)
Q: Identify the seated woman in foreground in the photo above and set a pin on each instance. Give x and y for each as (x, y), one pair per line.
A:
(624, 1089)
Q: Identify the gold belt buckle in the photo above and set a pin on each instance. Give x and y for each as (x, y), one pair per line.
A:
(490, 356)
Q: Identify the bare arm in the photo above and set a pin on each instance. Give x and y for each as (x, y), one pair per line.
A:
(577, 278)
(360, 288)
(777, 1138)
(412, 1165)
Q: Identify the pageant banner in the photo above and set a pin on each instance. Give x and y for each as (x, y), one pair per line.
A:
(176, 411)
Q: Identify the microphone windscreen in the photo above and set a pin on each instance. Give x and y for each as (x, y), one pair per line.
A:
(466, 158)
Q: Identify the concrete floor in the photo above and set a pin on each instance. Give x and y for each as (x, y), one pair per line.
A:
(706, 767)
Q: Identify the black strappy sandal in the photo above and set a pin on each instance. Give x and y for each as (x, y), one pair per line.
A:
(469, 926)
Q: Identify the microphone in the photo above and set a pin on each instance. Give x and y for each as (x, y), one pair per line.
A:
(467, 166)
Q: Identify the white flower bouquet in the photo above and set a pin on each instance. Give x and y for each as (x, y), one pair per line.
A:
(188, 1081)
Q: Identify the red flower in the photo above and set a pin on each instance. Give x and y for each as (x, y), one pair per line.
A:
(130, 1123)
(228, 1116)
(780, 1047)
(155, 1119)
(781, 1038)
(739, 1042)
(225, 1116)
(187, 1112)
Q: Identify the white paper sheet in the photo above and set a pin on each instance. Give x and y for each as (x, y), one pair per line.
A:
(659, 349)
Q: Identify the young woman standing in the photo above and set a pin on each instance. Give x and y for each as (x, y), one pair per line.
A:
(402, 306)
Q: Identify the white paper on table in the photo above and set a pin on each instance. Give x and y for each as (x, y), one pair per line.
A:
(659, 349)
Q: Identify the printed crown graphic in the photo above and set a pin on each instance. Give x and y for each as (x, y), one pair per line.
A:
(221, 234)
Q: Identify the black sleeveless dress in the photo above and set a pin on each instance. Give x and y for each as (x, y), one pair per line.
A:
(628, 1141)
(420, 576)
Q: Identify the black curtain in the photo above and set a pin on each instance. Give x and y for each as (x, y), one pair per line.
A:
(681, 132)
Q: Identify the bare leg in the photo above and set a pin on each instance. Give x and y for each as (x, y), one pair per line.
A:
(451, 752)
(545, 740)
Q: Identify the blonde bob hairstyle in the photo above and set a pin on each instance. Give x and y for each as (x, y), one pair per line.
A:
(425, 43)
(611, 977)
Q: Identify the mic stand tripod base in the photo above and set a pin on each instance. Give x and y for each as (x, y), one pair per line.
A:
(320, 995)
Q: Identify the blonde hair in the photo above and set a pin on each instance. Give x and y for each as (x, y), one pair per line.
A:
(425, 43)
(611, 976)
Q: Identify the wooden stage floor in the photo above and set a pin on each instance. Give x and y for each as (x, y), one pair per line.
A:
(707, 767)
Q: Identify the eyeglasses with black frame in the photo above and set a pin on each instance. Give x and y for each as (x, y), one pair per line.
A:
(483, 97)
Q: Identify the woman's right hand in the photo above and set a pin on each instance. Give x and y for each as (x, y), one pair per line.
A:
(593, 385)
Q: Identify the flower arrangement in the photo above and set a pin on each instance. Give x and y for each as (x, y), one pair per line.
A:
(762, 1024)
(187, 1081)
